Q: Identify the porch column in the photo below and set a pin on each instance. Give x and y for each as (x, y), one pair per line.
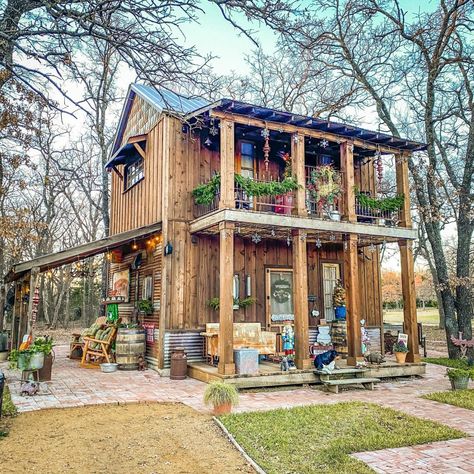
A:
(351, 284)
(226, 299)
(403, 187)
(300, 302)
(297, 157)
(347, 169)
(227, 152)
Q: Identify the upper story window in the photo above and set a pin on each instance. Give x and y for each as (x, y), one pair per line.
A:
(247, 159)
(133, 173)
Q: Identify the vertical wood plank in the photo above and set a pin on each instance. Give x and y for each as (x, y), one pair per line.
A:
(226, 312)
(351, 283)
(297, 158)
(347, 168)
(227, 165)
(300, 292)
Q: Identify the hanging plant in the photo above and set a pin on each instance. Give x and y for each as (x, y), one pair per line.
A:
(388, 204)
(205, 193)
(243, 303)
(325, 185)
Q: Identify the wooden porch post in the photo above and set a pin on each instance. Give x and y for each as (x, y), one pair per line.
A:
(351, 283)
(347, 168)
(300, 305)
(15, 315)
(298, 156)
(226, 299)
(407, 263)
(227, 152)
(34, 278)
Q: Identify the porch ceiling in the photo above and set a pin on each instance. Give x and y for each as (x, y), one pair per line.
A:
(57, 259)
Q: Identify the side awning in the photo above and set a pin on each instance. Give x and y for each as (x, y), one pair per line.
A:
(54, 260)
(128, 153)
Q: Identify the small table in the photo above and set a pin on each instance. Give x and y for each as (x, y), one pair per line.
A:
(25, 375)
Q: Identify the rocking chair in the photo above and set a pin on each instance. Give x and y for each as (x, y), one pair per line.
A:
(76, 344)
(97, 350)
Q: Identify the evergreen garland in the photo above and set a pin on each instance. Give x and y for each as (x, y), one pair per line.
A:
(388, 204)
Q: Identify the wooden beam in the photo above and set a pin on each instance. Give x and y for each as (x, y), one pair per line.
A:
(300, 299)
(140, 150)
(347, 168)
(352, 286)
(15, 315)
(297, 157)
(34, 281)
(287, 128)
(226, 300)
(409, 300)
(403, 187)
(299, 222)
(227, 199)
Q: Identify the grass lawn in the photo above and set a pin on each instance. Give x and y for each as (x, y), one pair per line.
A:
(8, 411)
(456, 363)
(427, 316)
(458, 398)
(319, 438)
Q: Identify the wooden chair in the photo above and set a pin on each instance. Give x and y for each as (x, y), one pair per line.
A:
(96, 351)
(76, 344)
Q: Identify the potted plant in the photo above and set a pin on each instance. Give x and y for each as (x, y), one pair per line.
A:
(401, 350)
(26, 359)
(222, 396)
(238, 303)
(145, 306)
(459, 378)
(339, 301)
(44, 344)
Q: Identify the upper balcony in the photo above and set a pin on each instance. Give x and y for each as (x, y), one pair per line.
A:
(282, 174)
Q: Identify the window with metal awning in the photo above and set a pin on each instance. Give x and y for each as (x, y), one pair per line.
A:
(131, 156)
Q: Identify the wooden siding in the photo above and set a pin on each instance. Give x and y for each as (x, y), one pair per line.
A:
(151, 266)
(141, 204)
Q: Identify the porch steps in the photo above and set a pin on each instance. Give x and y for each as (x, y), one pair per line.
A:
(346, 377)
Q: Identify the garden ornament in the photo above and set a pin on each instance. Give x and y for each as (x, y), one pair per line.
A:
(325, 359)
(284, 364)
(374, 357)
(29, 388)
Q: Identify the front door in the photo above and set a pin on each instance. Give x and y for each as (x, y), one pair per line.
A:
(331, 273)
(279, 291)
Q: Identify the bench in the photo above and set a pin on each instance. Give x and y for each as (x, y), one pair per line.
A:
(246, 335)
(333, 385)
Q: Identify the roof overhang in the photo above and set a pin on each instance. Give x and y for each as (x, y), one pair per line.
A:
(64, 257)
(128, 153)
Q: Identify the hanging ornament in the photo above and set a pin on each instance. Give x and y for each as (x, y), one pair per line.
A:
(273, 233)
(256, 238)
(208, 142)
(372, 248)
(303, 236)
(318, 243)
(296, 138)
(332, 237)
(266, 147)
(379, 169)
(345, 245)
(238, 230)
(288, 240)
(323, 143)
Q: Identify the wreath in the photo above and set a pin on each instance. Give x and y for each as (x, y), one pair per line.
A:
(281, 290)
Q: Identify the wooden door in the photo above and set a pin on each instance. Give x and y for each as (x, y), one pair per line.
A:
(331, 273)
(279, 295)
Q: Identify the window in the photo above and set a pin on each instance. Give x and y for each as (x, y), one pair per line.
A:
(133, 173)
(147, 289)
(247, 160)
(331, 275)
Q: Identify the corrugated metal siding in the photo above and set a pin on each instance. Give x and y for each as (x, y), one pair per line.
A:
(192, 342)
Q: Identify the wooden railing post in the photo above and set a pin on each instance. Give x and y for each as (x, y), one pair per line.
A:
(227, 199)
(403, 187)
(300, 291)
(347, 168)
(351, 284)
(409, 299)
(226, 300)
(297, 157)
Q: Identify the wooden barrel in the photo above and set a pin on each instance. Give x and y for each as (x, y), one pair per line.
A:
(129, 346)
(339, 337)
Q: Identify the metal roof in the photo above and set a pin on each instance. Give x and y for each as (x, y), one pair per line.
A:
(278, 116)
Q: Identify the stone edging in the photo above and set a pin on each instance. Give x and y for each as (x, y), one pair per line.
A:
(257, 468)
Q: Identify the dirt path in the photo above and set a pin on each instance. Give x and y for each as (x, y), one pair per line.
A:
(155, 438)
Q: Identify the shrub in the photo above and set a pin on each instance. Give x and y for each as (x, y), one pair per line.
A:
(455, 374)
(219, 393)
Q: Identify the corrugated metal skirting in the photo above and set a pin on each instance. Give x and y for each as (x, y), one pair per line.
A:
(192, 342)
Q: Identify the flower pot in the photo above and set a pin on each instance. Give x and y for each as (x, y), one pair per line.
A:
(28, 361)
(340, 312)
(222, 409)
(459, 383)
(401, 357)
(45, 371)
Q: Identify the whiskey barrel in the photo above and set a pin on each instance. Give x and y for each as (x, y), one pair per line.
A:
(129, 346)
(339, 337)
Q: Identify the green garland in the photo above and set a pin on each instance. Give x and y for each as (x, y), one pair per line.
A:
(388, 204)
(205, 193)
(243, 303)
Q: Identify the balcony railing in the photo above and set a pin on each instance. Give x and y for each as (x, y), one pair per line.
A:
(369, 215)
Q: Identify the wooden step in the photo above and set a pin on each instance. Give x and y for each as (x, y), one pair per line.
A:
(333, 385)
(342, 371)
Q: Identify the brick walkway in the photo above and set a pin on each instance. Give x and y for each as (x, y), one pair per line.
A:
(72, 386)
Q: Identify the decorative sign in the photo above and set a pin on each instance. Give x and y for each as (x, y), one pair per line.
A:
(150, 332)
(403, 338)
(281, 290)
(121, 284)
(282, 317)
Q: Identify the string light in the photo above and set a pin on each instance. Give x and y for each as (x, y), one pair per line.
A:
(134, 246)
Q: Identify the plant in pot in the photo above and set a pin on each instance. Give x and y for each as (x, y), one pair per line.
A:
(339, 301)
(459, 378)
(145, 306)
(44, 344)
(238, 303)
(222, 396)
(26, 359)
(400, 350)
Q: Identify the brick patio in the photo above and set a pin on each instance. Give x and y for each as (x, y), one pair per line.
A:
(72, 386)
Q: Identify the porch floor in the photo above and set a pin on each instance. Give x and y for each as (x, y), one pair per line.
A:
(270, 374)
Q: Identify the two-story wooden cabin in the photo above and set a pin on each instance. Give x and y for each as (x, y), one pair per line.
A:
(264, 218)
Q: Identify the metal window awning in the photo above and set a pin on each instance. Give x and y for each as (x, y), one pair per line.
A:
(127, 154)
(64, 257)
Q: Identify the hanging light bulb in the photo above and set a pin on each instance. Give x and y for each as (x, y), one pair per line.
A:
(134, 245)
